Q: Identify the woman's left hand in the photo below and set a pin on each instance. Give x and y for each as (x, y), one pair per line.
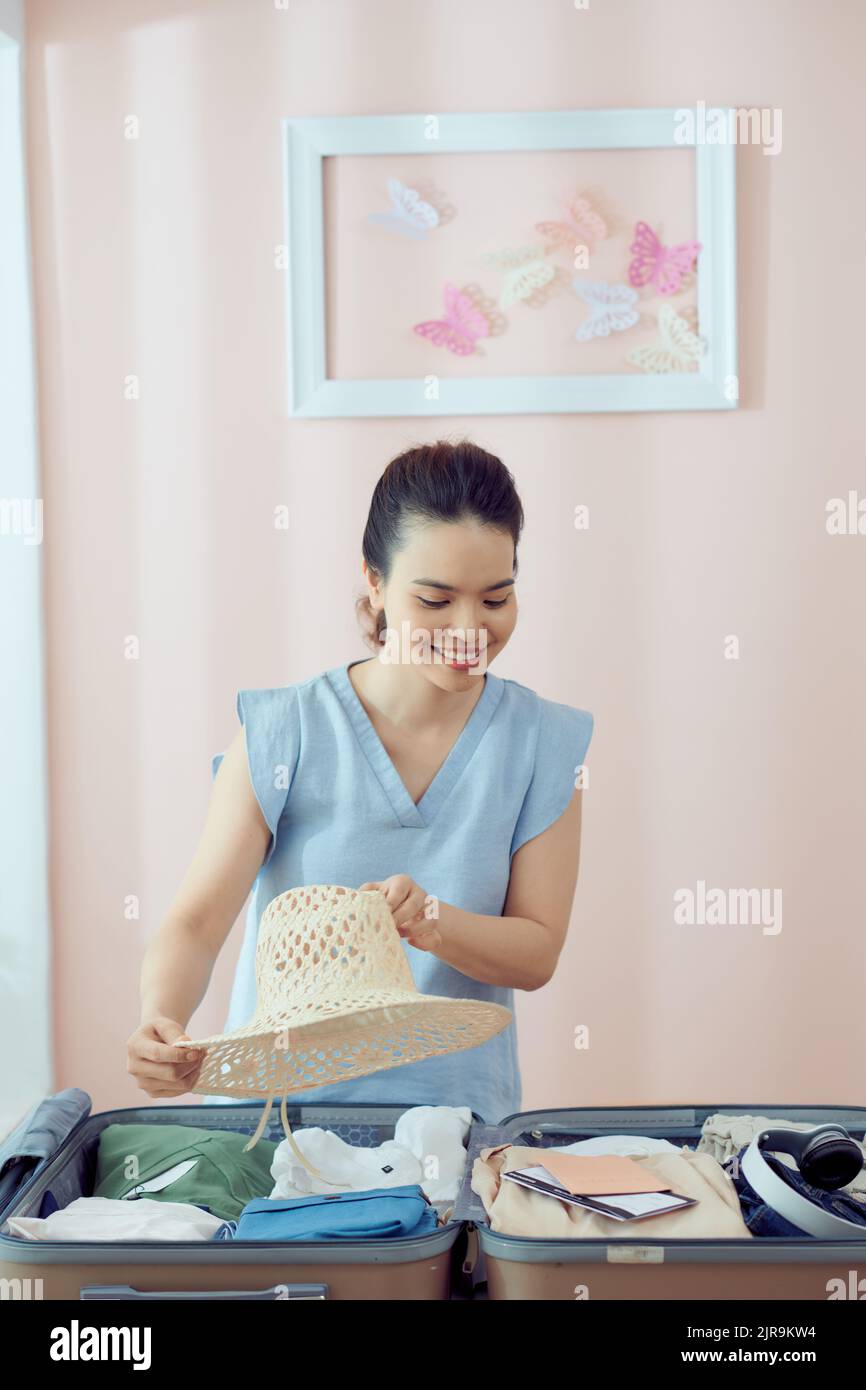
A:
(409, 905)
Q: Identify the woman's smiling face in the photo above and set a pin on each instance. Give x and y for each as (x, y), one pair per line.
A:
(453, 582)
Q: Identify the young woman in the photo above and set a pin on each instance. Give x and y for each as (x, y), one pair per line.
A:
(417, 771)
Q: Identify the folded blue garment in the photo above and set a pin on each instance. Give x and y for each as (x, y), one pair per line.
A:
(375, 1214)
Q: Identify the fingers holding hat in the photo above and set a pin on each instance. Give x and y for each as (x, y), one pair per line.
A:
(406, 899)
(159, 1066)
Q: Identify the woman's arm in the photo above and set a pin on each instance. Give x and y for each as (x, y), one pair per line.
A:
(520, 949)
(179, 959)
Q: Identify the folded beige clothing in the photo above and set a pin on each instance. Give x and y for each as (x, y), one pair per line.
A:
(110, 1218)
(724, 1135)
(517, 1211)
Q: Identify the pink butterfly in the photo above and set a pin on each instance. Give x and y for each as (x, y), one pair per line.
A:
(462, 325)
(581, 224)
(657, 265)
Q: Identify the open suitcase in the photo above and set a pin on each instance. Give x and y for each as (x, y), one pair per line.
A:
(637, 1266)
(54, 1151)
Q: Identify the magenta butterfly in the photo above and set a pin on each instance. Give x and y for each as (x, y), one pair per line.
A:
(661, 266)
(461, 327)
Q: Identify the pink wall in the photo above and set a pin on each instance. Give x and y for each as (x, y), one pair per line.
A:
(155, 257)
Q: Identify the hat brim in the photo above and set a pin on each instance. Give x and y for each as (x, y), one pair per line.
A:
(275, 1057)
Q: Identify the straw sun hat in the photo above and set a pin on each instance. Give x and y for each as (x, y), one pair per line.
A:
(335, 999)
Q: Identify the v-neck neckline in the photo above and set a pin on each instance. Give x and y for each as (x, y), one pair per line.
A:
(408, 812)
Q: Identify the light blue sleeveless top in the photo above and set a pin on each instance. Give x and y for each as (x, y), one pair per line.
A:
(339, 813)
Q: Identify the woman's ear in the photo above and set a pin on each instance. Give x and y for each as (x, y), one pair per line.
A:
(368, 623)
(370, 609)
(374, 588)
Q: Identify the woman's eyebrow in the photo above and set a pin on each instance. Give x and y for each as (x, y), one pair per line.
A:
(436, 584)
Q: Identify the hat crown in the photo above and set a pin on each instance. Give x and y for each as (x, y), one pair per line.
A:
(336, 1000)
(328, 945)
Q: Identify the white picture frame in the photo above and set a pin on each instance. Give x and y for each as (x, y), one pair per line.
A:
(310, 140)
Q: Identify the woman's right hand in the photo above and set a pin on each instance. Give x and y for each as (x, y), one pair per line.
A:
(160, 1068)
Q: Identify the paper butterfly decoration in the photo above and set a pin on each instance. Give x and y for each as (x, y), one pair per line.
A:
(582, 225)
(526, 272)
(409, 214)
(487, 307)
(461, 327)
(677, 348)
(663, 267)
(611, 308)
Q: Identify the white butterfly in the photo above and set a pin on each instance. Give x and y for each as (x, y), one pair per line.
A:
(526, 272)
(677, 348)
(409, 214)
(611, 308)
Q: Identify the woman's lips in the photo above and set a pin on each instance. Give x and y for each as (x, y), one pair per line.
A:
(459, 661)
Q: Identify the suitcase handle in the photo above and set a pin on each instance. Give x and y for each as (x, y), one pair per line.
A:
(276, 1293)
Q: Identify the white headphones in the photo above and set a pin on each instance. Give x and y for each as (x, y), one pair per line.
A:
(829, 1146)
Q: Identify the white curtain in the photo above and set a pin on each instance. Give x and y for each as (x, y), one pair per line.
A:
(25, 1018)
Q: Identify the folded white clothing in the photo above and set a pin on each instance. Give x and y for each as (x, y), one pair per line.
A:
(113, 1218)
(428, 1148)
(629, 1145)
(347, 1167)
(436, 1135)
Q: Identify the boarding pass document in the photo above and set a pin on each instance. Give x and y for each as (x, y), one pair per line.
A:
(620, 1206)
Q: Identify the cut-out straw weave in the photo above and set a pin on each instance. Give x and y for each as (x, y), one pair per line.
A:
(335, 999)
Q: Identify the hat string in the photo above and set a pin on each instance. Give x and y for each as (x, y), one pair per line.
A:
(260, 1129)
(291, 1138)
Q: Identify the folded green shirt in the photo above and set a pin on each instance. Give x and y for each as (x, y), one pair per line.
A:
(212, 1169)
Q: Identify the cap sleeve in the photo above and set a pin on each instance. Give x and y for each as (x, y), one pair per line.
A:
(563, 737)
(272, 738)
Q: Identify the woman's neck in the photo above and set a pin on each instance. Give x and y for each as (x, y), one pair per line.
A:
(404, 695)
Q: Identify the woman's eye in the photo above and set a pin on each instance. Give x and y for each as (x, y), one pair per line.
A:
(443, 603)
